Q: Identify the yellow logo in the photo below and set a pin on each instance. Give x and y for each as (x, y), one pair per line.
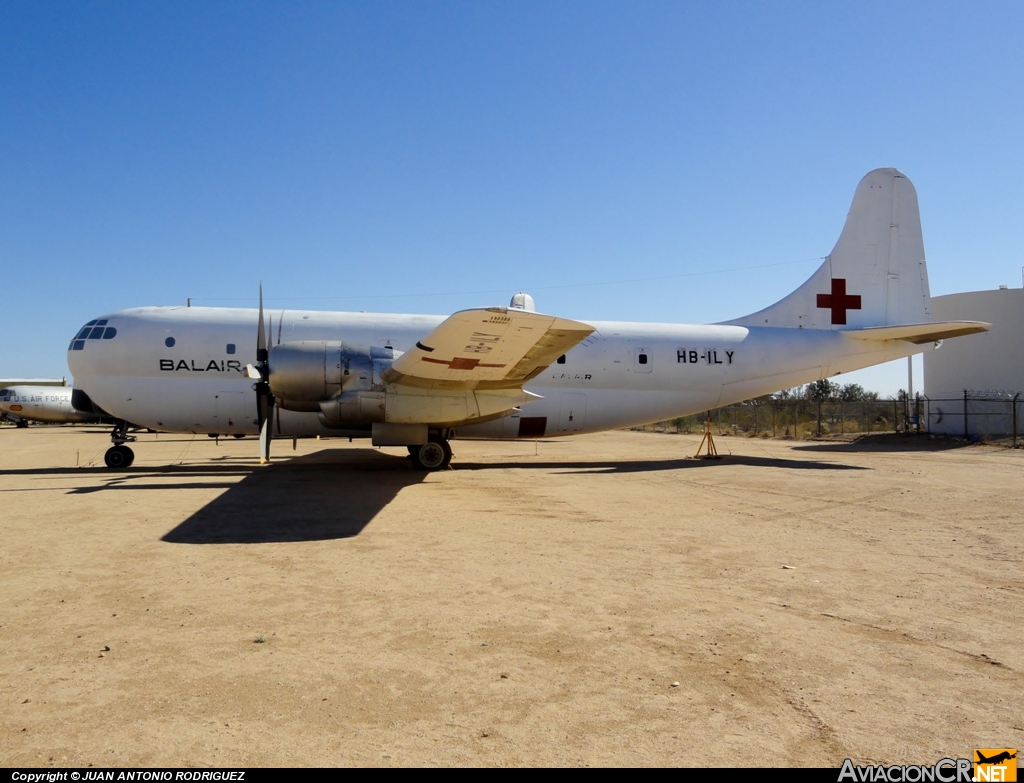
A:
(995, 765)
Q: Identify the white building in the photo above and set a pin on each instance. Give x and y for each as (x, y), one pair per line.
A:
(985, 371)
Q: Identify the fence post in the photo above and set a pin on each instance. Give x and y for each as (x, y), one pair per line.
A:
(1014, 404)
(967, 432)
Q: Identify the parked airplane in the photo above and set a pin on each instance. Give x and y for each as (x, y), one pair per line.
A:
(22, 404)
(420, 380)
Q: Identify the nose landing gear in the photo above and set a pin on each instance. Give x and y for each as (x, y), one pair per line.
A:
(120, 456)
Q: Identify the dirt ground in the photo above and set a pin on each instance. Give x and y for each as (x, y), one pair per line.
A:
(605, 600)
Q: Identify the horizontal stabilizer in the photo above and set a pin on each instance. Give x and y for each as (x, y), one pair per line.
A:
(919, 334)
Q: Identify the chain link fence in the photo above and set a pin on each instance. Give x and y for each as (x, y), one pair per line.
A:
(976, 415)
(970, 416)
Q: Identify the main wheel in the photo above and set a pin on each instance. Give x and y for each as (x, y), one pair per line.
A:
(21, 423)
(435, 454)
(118, 457)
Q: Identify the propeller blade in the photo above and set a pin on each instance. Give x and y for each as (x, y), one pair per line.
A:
(266, 435)
(260, 372)
(261, 334)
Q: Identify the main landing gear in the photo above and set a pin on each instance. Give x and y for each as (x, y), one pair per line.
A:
(435, 454)
(120, 456)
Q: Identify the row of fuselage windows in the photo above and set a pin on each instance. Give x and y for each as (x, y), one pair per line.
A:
(94, 330)
(641, 358)
(98, 330)
(229, 348)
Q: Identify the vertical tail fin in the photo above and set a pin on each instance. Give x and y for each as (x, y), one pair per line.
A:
(875, 275)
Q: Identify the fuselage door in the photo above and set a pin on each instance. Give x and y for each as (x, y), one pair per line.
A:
(573, 413)
(643, 360)
(232, 412)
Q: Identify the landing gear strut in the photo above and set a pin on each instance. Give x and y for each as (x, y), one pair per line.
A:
(435, 454)
(120, 456)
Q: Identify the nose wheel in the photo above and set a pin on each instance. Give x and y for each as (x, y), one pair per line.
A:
(118, 457)
(435, 454)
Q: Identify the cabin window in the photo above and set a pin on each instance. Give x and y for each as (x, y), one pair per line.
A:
(642, 358)
(169, 342)
(231, 348)
(561, 359)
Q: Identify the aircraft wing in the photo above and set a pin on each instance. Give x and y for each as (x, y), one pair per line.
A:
(487, 348)
(919, 334)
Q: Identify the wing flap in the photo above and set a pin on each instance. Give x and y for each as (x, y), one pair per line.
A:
(919, 334)
(495, 348)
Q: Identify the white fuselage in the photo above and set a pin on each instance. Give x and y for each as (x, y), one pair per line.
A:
(181, 369)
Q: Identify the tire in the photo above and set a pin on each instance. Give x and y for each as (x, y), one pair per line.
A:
(118, 457)
(435, 454)
(21, 424)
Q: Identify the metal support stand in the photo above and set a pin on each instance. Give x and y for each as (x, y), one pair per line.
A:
(712, 452)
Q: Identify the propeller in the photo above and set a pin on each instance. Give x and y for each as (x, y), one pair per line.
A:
(260, 372)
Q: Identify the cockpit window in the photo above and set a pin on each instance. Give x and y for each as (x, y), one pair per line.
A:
(96, 329)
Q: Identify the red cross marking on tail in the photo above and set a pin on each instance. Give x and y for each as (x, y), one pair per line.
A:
(839, 301)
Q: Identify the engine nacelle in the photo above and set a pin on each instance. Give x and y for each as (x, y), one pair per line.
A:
(343, 383)
(303, 374)
(436, 407)
(353, 408)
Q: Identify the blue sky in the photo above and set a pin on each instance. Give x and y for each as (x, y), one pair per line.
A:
(678, 162)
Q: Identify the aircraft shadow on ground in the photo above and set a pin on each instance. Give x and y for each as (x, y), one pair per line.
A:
(323, 496)
(644, 466)
(890, 441)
